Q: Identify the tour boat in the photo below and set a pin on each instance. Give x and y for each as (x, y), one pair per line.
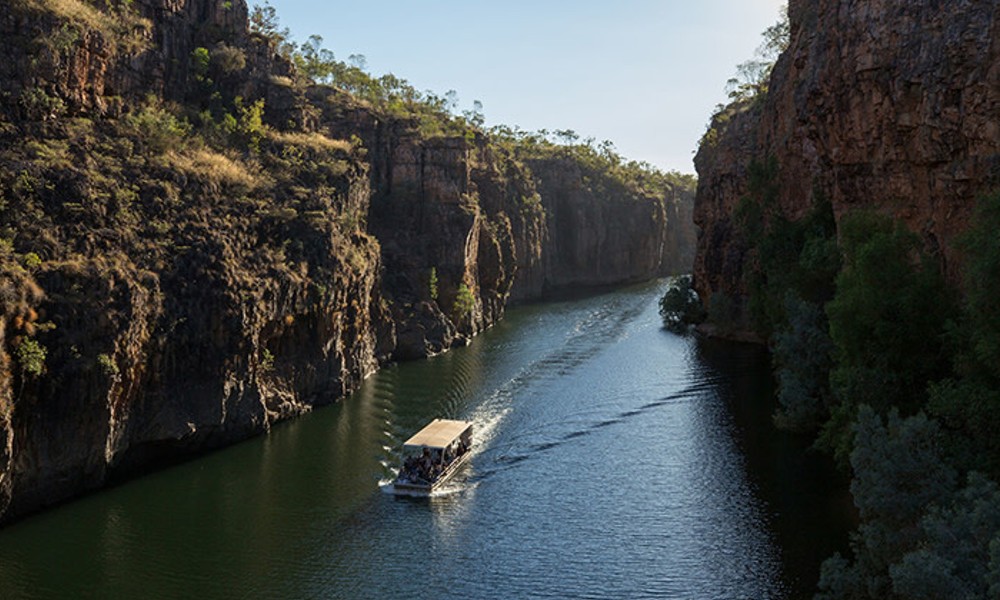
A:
(433, 455)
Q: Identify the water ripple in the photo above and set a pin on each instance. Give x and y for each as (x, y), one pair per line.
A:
(607, 465)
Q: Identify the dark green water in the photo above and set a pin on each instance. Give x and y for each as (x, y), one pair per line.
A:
(615, 460)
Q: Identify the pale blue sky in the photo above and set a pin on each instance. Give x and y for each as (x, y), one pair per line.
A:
(645, 74)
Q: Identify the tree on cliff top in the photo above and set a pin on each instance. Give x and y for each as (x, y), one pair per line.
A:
(752, 77)
(606, 170)
(388, 94)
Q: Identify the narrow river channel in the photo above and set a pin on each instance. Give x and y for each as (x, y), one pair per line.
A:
(614, 460)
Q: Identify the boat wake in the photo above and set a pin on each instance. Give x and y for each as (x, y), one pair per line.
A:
(522, 451)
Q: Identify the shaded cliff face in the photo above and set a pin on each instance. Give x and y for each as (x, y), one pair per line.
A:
(889, 105)
(601, 232)
(167, 288)
(449, 207)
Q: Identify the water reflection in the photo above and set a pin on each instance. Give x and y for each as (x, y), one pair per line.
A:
(809, 506)
(613, 460)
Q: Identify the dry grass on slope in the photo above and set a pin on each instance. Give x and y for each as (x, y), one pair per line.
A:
(213, 167)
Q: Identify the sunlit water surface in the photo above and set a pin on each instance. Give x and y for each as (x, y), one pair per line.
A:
(614, 460)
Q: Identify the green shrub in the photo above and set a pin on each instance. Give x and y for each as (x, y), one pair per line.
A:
(227, 59)
(888, 316)
(680, 306)
(899, 474)
(250, 123)
(982, 289)
(266, 360)
(200, 61)
(31, 261)
(31, 356)
(50, 154)
(465, 301)
(123, 29)
(803, 355)
(158, 128)
(969, 411)
(38, 105)
(107, 365)
(62, 40)
(968, 405)
(432, 283)
(799, 256)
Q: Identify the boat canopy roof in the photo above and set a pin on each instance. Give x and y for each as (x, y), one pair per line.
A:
(439, 434)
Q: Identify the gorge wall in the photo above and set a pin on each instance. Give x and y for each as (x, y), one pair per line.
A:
(600, 232)
(886, 104)
(167, 289)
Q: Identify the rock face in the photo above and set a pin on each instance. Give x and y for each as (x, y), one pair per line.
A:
(188, 296)
(889, 105)
(97, 66)
(453, 208)
(601, 233)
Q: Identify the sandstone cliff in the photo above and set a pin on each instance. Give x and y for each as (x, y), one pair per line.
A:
(601, 231)
(168, 288)
(886, 104)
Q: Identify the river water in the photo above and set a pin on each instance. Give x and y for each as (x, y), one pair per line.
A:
(614, 460)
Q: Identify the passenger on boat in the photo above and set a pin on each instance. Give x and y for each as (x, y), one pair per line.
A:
(431, 464)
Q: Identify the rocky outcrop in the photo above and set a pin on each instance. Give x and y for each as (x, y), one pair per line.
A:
(889, 105)
(449, 207)
(228, 318)
(164, 292)
(95, 59)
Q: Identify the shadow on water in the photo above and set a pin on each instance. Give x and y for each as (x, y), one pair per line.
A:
(809, 503)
